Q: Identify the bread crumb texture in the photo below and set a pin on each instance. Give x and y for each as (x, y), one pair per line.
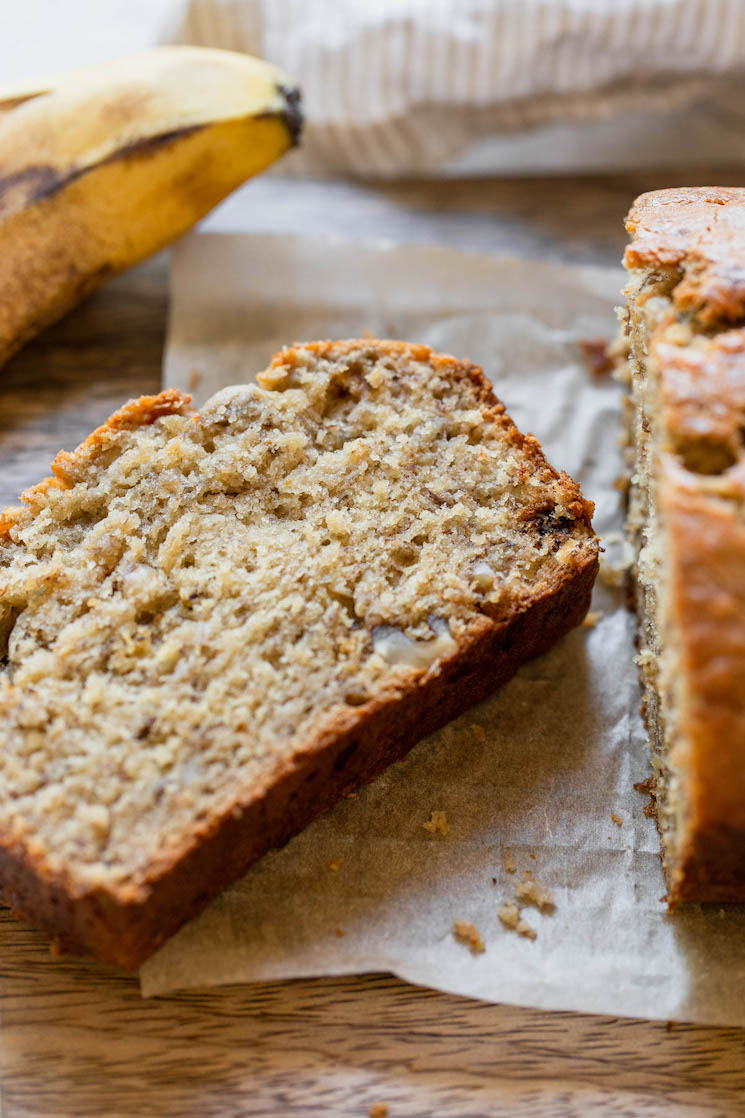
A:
(192, 599)
(509, 914)
(437, 824)
(597, 355)
(510, 864)
(378, 1110)
(468, 934)
(530, 892)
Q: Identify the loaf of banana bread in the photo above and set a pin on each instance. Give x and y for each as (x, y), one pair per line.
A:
(686, 315)
(216, 624)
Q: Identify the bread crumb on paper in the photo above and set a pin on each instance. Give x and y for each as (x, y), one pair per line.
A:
(478, 732)
(469, 935)
(592, 618)
(597, 355)
(510, 916)
(617, 819)
(648, 786)
(510, 864)
(615, 573)
(335, 865)
(530, 891)
(438, 824)
(339, 933)
(378, 1110)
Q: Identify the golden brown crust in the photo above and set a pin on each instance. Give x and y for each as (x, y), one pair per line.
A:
(454, 367)
(700, 234)
(699, 231)
(125, 925)
(139, 412)
(703, 396)
(707, 604)
(134, 413)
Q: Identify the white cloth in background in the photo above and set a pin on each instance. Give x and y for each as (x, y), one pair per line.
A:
(396, 87)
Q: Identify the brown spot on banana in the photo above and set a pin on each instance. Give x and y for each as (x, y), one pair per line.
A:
(27, 186)
(149, 146)
(7, 104)
(35, 183)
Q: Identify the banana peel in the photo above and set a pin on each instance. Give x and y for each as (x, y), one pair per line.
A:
(106, 166)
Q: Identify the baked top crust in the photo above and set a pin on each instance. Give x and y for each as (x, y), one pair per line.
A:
(701, 231)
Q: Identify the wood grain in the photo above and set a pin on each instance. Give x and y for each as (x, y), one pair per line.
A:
(76, 1039)
(68, 380)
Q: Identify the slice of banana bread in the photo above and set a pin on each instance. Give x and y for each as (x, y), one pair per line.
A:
(686, 308)
(217, 624)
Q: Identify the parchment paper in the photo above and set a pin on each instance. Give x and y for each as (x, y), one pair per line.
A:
(539, 769)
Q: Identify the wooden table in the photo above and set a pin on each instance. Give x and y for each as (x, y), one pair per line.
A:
(76, 1039)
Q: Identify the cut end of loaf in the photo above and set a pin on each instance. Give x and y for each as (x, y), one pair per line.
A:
(685, 307)
(214, 625)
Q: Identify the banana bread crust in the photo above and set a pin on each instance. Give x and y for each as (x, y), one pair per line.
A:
(701, 231)
(708, 597)
(124, 929)
(124, 925)
(694, 240)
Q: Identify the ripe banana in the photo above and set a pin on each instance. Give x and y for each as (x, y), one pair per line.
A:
(105, 166)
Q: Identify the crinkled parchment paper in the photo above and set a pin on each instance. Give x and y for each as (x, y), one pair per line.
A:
(541, 768)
